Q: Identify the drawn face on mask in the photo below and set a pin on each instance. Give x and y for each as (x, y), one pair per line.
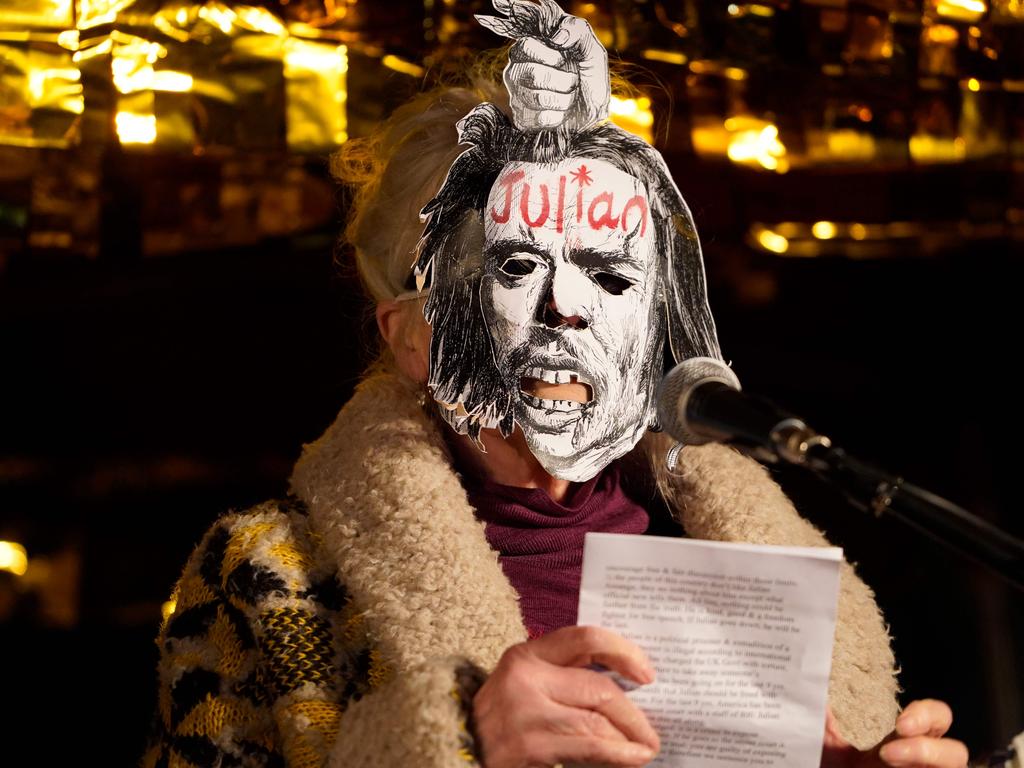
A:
(569, 293)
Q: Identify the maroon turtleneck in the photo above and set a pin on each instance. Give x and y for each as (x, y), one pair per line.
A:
(540, 541)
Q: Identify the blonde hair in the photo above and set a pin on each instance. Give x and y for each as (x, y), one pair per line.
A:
(392, 174)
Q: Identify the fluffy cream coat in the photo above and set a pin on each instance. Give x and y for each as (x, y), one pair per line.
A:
(389, 510)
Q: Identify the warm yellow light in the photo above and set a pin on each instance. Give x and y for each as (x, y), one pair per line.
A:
(56, 85)
(314, 57)
(735, 73)
(260, 19)
(316, 82)
(132, 67)
(761, 147)
(743, 123)
(942, 34)
(963, 10)
(133, 128)
(848, 144)
(669, 57)
(623, 107)
(635, 115)
(86, 54)
(13, 558)
(772, 241)
(925, 148)
(761, 10)
(858, 231)
(147, 79)
(219, 16)
(128, 76)
(403, 66)
(973, 85)
(68, 39)
(91, 15)
(823, 230)
(168, 608)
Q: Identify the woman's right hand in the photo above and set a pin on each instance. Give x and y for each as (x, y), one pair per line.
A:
(540, 707)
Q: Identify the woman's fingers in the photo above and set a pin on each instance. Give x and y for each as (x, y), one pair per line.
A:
(538, 707)
(587, 691)
(924, 751)
(572, 721)
(581, 749)
(583, 646)
(925, 717)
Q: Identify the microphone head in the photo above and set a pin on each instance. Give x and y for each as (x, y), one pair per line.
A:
(677, 386)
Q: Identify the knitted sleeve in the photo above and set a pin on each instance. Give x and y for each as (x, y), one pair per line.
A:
(264, 662)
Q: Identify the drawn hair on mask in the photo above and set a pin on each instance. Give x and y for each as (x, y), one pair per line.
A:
(464, 377)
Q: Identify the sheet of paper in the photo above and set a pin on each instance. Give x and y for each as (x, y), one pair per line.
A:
(740, 636)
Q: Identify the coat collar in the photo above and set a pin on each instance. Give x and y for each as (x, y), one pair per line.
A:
(395, 520)
(390, 510)
(396, 526)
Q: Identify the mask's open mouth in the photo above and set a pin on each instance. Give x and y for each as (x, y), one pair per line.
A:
(559, 390)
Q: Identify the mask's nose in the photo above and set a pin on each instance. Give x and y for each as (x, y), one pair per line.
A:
(552, 318)
(565, 303)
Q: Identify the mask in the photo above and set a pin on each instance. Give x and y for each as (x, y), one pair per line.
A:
(567, 286)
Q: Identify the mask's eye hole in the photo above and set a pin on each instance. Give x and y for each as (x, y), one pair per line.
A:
(613, 284)
(517, 266)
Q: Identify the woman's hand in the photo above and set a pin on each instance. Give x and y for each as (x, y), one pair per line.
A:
(915, 743)
(564, 80)
(540, 707)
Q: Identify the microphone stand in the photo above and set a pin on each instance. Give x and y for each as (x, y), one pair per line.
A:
(873, 490)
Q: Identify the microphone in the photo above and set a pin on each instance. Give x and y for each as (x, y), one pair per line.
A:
(701, 401)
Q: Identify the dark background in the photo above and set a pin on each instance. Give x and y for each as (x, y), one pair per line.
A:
(141, 396)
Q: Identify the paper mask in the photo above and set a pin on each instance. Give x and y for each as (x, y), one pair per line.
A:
(560, 261)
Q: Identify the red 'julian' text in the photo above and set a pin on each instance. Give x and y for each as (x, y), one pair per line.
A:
(599, 210)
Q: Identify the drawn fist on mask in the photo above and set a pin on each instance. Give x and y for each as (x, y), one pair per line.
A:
(563, 81)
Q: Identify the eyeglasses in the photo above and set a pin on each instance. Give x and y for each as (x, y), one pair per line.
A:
(412, 295)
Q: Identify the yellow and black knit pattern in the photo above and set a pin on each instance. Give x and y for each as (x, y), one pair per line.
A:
(468, 679)
(262, 653)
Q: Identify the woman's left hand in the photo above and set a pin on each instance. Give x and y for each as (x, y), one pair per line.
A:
(917, 742)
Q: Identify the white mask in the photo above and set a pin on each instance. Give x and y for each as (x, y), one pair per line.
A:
(568, 289)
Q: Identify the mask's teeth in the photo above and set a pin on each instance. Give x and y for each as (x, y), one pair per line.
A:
(562, 377)
(562, 406)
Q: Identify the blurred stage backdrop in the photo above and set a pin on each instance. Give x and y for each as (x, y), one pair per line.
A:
(175, 318)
